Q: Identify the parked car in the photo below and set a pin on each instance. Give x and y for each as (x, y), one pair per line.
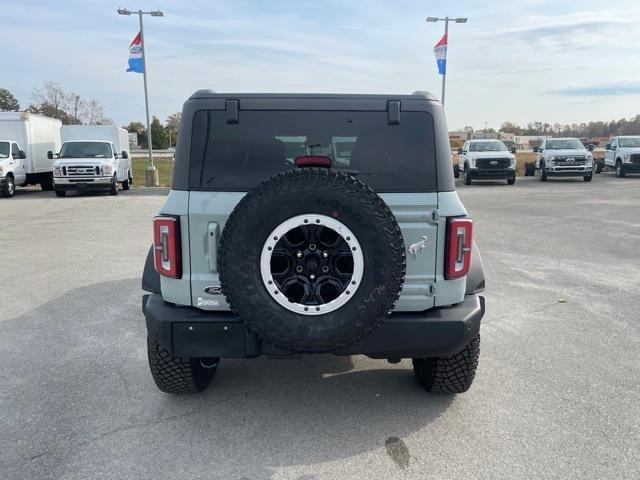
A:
(487, 160)
(622, 154)
(564, 157)
(92, 157)
(269, 245)
(24, 140)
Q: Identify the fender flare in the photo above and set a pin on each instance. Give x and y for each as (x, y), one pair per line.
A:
(150, 277)
(475, 277)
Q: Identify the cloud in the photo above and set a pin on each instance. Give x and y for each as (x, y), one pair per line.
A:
(615, 89)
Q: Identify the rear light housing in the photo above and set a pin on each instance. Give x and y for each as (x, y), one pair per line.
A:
(166, 246)
(459, 246)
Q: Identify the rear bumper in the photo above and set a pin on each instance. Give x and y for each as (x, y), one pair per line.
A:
(189, 332)
(493, 173)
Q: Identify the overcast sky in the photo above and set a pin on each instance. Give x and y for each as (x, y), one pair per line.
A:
(519, 60)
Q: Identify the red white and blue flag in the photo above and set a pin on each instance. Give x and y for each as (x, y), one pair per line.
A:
(136, 58)
(440, 51)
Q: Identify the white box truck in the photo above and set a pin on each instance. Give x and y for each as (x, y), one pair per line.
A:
(92, 157)
(25, 139)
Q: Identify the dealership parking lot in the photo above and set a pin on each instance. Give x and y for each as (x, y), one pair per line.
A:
(557, 393)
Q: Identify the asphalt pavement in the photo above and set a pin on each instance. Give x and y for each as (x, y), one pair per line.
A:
(557, 394)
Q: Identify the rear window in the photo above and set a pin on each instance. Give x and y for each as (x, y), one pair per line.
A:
(236, 157)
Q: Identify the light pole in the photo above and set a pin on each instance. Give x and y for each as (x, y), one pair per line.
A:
(446, 21)
(152, 173)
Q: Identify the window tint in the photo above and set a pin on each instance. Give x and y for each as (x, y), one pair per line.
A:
(236, 157)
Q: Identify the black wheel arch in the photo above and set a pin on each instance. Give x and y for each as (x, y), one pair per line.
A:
(475, 277)
(150, 277)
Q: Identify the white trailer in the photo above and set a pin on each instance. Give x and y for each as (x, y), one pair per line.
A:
(92, 157)
(25, 139)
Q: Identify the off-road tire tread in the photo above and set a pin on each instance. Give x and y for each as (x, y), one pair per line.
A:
(450, 373)
(315, 178)
(175, 374)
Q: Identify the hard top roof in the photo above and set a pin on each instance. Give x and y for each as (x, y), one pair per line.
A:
(210, 94)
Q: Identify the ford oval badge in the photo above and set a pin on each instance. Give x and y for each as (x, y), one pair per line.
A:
(213, 290)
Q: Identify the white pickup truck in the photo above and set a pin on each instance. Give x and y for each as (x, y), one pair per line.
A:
(92, 157)
(564, 157)
(622, 154)
(486, 159)
(24, 140)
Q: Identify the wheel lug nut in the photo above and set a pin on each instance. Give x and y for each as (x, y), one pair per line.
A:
(325, 254)
(325, 269)
(312, 276)
(299, 254)
(299, 268)
(312, 246)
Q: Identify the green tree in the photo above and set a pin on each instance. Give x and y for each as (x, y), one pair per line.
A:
(140, 131)
(159, 138)
(8, 103)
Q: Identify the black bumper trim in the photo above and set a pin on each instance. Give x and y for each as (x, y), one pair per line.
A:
(631, 167)
(189, 332)
(568, 173)
(82, 186)
(492, 174)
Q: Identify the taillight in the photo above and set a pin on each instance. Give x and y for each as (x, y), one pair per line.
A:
(166, 246)
(459, 242)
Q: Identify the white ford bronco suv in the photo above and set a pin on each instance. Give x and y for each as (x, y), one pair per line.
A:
(487, 160)
(313, 224)
(564, 157)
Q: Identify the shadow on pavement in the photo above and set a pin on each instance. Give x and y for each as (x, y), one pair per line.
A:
(76, 394)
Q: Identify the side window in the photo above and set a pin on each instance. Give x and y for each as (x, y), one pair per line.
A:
(465, 148)
(15, 151)
(614, 143)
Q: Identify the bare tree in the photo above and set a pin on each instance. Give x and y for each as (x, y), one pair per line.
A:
(93, 114)
(71, 108)
(172, 127)
(51, 94)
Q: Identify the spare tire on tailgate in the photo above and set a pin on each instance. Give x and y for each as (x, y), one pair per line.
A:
(311, 260)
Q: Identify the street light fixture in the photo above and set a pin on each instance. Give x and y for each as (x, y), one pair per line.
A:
(446, 21)
(151, 173)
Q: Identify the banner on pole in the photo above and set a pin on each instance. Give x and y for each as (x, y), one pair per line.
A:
(440, 51)
(136, 60)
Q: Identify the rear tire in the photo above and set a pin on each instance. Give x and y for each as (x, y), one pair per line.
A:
(467, 177)
(456, 170)
(543, 174)
(597, 168)
(619, 170)
(179, 375)
(61, 193)
(450, 373)
(125, 185)
(9, 187)
(47, 184)
(114, 186)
